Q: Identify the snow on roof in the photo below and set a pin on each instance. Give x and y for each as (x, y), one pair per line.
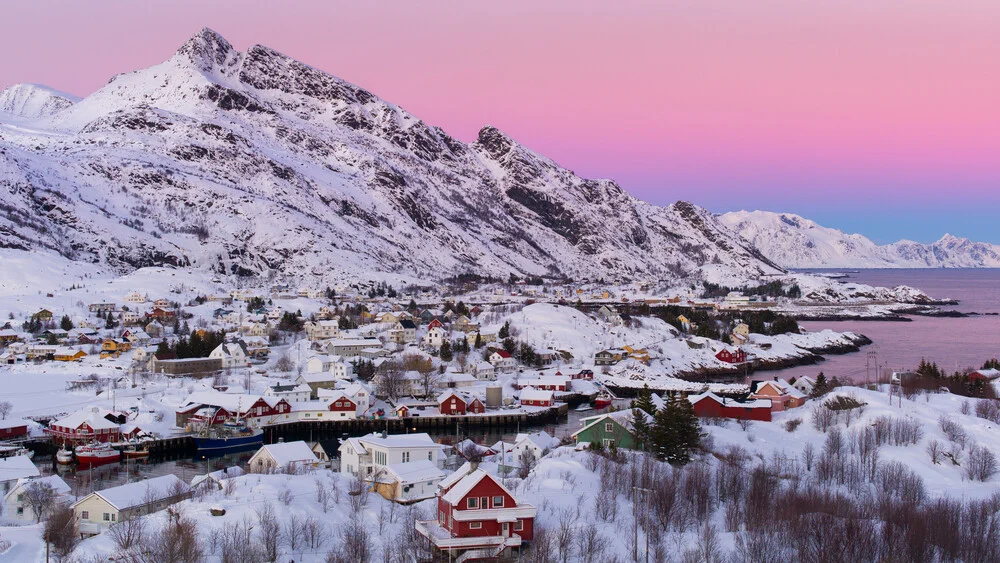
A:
(466, 484)
(455, 477)
(141, 492)
(94, 417)
(12, 423)
(415, 471)
(541, 439)
(752, 404)
(421, 440)
(232, 402)
(545, 380)
(287, 453)
(218, 475)
(54, 481)
(532, 394)
(17, 467)
(622, 417)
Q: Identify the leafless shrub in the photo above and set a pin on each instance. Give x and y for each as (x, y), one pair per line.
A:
(988, 409)
(355, 544)
(822, 418)
(834, 444)
(792, 425)
(565, 534)
(314, 533)
(270, 529)
(5, 409)
(286, 496)
(176, 543)
(61, 532)
(934, 450)
(981, 464)
(294, 533)
(966, 407)
(590, 543)
(952, 430)
(128, 532)
(809, 455)
(238, 544)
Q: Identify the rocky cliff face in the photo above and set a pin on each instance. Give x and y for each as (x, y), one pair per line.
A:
(256, 164)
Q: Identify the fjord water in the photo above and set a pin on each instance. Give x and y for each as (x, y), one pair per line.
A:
(954, 343)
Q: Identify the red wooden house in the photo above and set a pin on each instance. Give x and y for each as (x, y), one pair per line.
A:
(710, 405)
(735, 356)
(161, 314)
(435, 323)
(13, 428)
(84, 426)
(341, 403)
(531, 397)
(451, 402)
(478, 518)
(582, 374)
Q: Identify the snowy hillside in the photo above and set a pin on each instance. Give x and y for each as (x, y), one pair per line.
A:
(252, 163)
(795, 242)
(31, 101)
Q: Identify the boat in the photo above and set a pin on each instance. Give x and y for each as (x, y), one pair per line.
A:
(97, 453)
(64, 456)
(603, 400)
(132, 452)
(13, 450)
(231, 436)
(584, 408)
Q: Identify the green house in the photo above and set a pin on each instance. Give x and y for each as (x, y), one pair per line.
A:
(613, 427)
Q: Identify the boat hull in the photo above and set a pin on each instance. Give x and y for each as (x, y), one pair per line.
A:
(86, 460)
(228, 444)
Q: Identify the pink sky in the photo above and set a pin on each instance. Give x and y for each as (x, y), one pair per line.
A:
(774, 104)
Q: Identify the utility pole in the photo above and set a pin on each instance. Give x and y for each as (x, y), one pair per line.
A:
(635, 525)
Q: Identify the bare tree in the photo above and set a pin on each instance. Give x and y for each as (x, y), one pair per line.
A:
(238, 545)
(286, 496)
(40, 498)
(128, 532)
(294, 533)
(934, 450)
(5, 408)
(356, 544)
(591, 544)
(314, 533)
(564, 534)
(429, 382)
(61, 532)
(322, 494)
(177, 543)
(526, 462)
(270, 530)
(981, 464)
(390, 384)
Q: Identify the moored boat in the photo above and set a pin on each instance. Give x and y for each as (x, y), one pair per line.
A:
(132, 452)
(96, 454)
(603, 400)
(228, 437)
(64, 456)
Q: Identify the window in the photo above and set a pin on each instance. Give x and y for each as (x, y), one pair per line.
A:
(113, 516)
(475, 525)
(473, 502)
(608, 443)
(107, 517)
(20, 510)
(85, 515)
(609, 427)
(484, 502)
(406, 457)
(430, 456)
(519, 526)
(498, 502)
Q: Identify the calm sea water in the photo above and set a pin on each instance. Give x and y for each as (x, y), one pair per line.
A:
(954, 343)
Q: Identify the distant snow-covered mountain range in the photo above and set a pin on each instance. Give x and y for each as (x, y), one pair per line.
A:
(795, 242)
(252, 163)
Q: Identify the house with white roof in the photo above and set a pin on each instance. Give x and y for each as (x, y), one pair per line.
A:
(485, 371)
(216, 479)
(805, 384)
(85, 425)
(409, 482)
(14, 468)
(537, 443)
(233, 354)
(16, 507)
(322, 330)
(531, 397)
(97, 511)
(370, 455)
(283, 457)
(291, 393)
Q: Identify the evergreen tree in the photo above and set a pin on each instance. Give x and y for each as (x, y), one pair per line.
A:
(52, 340)
(462, 345)
(66, 323)
(992, 364)
(821, 387)
(504, 331)
(644, 401)
(687, 431)
(412, 306)
(642, 429)
(479, 340)
(445, 351)
(110, 322)
(509, 345)
(662, 434)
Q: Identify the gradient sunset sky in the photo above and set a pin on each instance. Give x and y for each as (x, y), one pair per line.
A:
(873, 116)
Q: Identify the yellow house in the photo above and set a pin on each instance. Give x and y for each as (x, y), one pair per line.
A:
(111, 348)
(640, 354)
(685, 323)
(97, 511)
(68, 355)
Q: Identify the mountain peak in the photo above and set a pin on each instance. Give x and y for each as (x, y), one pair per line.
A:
(206, 49)
(34, 100)
(495, 142)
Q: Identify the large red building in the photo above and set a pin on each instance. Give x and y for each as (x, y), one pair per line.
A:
(12, 429)
(736, 356)
(87, 425)
(478, 517)
(710, 405)
(451, 402)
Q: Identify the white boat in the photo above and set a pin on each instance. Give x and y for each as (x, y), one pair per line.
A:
(584, 408)
(64, 456)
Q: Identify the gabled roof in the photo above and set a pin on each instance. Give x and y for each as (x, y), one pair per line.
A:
(94, 417)
(532, 394)
(751, 404)
(455, 477)
(415, 471)
(625, 418)
(141, 492)
(54, 481)
(541, 439)
(17, 467)
(467, 483)
(289, 452)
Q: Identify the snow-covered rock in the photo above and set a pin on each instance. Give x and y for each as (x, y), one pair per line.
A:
(795, 242)
(32, 101)
(253, 163)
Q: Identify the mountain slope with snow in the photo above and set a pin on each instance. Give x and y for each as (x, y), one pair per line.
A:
(252, 163)
(795, 242)
(30, 101)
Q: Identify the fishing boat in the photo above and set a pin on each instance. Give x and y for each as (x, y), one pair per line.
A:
(584, 408)
(603, 400)
(234, 435)
(97, 453)
(133, 452)
(64, 456)
(13, 450)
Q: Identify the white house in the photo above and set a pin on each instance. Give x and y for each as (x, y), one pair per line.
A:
(135, 297)
(285, 457)
(409, 482)
(216, 479)
(372, 453)
(322, 330)
(334, 365)
(435, 337)
(485, 371)
(16, 509)
(233, 354)
(14, 468)
(805, 384)
(538, 443)
(97, 511)
(356, 392)
(290, 393)
(502, 361)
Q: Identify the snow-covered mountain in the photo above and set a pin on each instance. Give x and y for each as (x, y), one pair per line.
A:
(30, 101)
(795, 242)
(253, 163)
